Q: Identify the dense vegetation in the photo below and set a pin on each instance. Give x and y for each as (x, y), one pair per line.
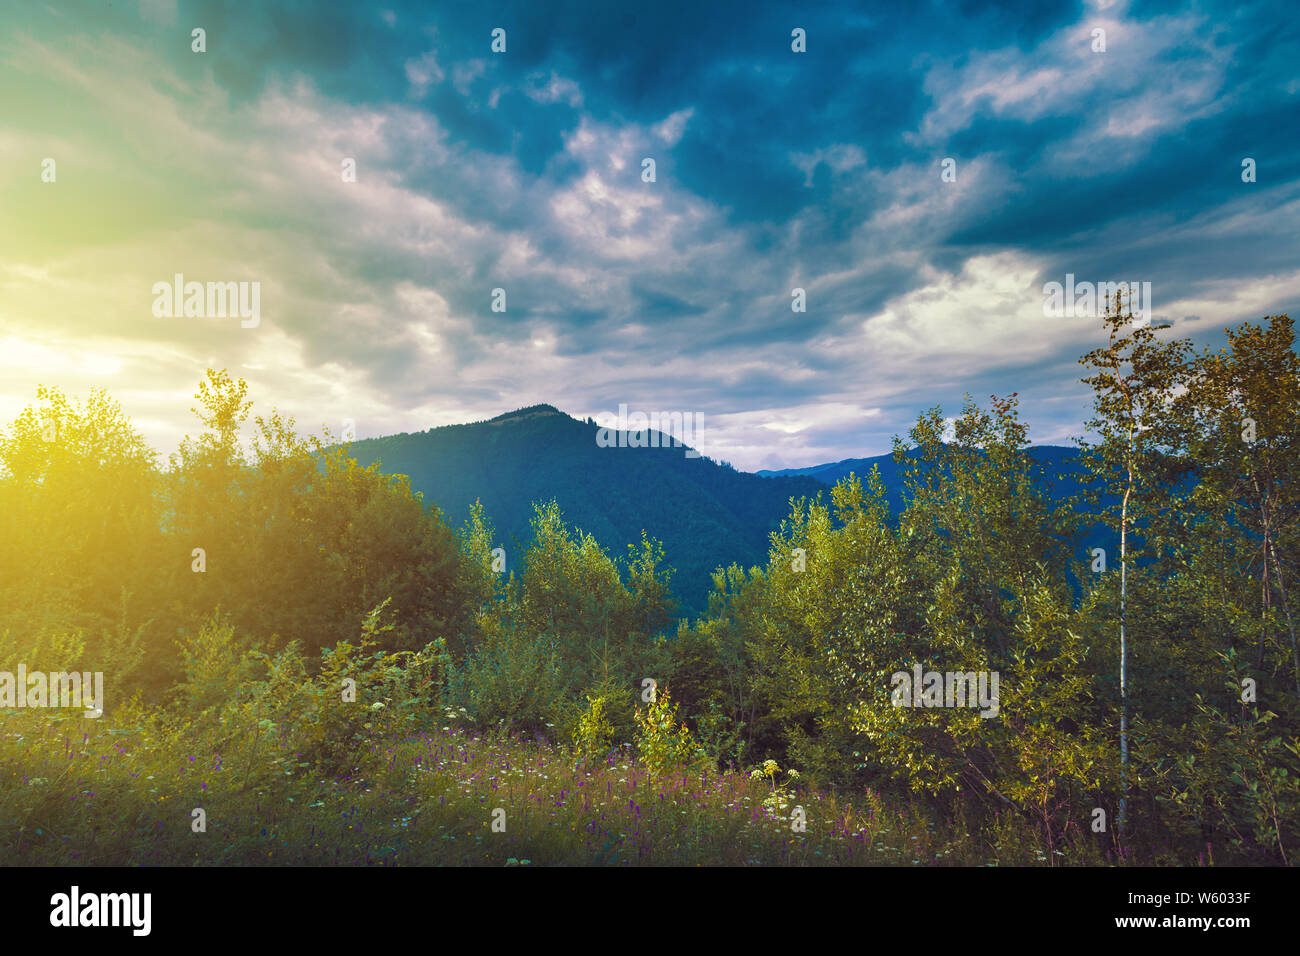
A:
(303, 648)
(702, 512)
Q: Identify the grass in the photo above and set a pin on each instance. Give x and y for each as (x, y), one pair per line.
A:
(123, 791)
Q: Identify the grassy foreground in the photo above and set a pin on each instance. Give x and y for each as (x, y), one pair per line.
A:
(75, 791)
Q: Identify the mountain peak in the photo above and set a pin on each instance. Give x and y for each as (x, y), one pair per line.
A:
(706, 515)
(529, 412)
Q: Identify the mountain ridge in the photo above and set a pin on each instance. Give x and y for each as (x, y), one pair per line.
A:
(707, 514)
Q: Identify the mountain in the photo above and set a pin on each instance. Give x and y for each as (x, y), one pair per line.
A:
(1060, 471)
(706, 514)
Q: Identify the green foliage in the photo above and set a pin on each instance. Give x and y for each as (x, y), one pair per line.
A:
(663, 745)
(340, 656)
(1234, 773)
(706, 514)
(594, 736)
(510, 681)
(566, 629)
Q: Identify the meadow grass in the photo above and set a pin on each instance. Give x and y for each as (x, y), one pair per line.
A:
(122, 791)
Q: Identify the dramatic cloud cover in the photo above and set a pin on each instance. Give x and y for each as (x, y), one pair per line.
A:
(522, 170)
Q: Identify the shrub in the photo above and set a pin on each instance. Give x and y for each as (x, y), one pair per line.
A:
(594, 736)
(664, 745)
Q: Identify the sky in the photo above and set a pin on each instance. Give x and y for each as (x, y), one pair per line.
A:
(523, 170)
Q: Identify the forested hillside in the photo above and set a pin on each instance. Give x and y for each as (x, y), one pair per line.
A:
(1062, 471)
(1061, 474)
(299, 645)
(706, 515)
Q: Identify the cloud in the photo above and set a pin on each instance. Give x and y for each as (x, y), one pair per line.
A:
(423, 72)
(522, 171)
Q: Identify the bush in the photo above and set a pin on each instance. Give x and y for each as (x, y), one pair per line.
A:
(664, 745)
(594, 736)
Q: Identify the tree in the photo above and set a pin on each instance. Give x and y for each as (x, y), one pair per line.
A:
(1242, 418)
(1134, 383)
(79, 537)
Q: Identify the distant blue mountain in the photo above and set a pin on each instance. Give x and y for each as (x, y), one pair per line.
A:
(707, 514)
(1063, 476)
(1061, 470)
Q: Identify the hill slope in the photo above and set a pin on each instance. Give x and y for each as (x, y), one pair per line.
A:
(706, 514)
(1060, 467)
(1062, 473)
